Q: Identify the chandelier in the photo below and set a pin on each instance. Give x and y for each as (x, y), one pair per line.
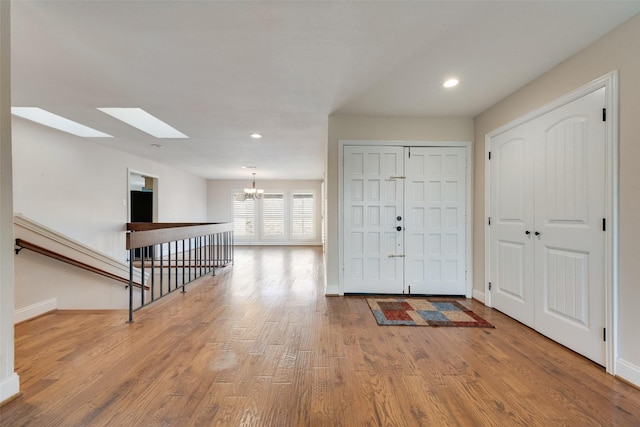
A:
(253, 193)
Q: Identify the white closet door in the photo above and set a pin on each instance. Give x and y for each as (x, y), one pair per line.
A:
(569, 212)
(435, 205)
(373, 199)
(547, 240)
(511, 243)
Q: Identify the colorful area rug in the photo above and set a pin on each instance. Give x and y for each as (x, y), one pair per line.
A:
(424, 312)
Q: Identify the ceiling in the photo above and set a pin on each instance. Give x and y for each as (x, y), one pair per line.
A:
(219, 71)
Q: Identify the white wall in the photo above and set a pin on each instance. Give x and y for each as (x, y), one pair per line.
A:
(220, 199)
(617, 50)
(40, 279)
(77, 187)
(375, 129)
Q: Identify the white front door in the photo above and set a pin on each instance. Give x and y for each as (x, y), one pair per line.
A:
(435, 232)
(569, 213)
(386, 253)
(373, 200)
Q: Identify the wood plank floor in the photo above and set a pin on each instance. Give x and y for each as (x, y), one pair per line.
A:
(261, 346)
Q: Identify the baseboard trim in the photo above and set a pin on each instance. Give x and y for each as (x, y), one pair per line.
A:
(478, 295)
(9, 388)
(34, 310)
(331, 290)
(75, 311)
(628, 372)
(276, 243)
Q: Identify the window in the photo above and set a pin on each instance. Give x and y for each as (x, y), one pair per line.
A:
(302, 226)
(273, 215)
(244, 218)
(278, 217)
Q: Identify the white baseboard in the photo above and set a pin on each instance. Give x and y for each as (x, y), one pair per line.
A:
(331, 290)
(628, 371)
(478, 295)
(9, 387)
(276, 243)
(34, 310)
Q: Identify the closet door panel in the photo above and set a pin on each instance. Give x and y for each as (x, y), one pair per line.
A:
(511, 243)
(569, 208)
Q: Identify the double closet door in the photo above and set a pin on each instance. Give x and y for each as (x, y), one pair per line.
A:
(404, 220)
(547, 219)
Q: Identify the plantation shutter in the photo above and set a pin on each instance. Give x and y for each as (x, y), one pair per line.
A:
(273, 215)
(302, 226)
(243, 216)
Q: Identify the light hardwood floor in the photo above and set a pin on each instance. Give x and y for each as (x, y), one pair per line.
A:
(260, 345)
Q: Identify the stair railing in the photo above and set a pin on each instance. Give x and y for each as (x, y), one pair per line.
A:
(175, 254)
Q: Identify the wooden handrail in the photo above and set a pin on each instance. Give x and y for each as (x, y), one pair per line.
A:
(145, 226)
(149, 234)
(22, 244)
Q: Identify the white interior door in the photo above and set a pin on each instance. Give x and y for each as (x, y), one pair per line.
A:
(435, 227)
(547, 209)
(373, 200)
(569, 212)
(511, 243)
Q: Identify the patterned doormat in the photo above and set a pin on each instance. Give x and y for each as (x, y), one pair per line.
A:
(424, 312)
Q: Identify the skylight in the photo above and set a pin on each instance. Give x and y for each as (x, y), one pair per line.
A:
(46, 118)
(144, 121)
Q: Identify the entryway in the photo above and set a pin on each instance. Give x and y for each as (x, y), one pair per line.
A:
(142, 201)
(405, 219)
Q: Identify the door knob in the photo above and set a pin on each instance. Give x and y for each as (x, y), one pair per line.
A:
(537, 233)
(399, 228)
(399, 218)
(527, 232)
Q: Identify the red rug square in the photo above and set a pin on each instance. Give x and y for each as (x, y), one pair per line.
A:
(396, 315)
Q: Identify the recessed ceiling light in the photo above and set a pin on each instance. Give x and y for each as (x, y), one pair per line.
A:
(46, 118)
(144, 121)
(256, 136)
(451, 83)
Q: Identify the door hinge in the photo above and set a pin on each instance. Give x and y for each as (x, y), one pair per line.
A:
(604, 224)
(604, 114)
(604, 334)
(489, 285)
(489, 155)
(409, 157)
(489, 220)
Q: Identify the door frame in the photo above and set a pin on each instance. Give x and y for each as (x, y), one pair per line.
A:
(610, 83)
(467, 145)
(156, 182)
